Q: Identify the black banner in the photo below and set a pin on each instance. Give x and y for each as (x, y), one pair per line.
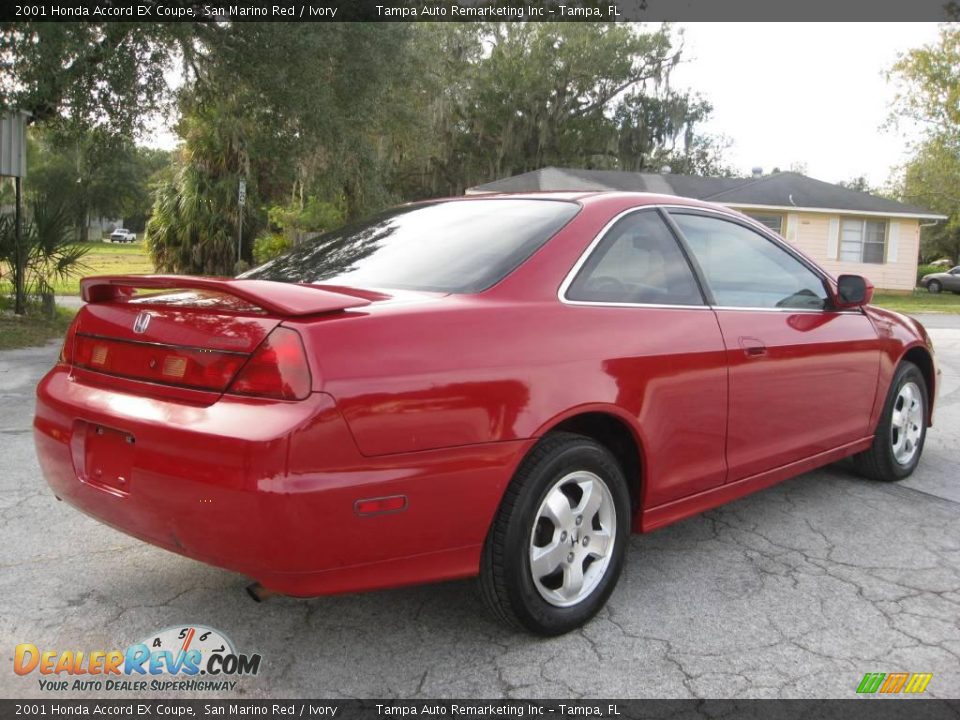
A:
(476, 10)
(854, 709)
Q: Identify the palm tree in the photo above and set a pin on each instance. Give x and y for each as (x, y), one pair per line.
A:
(193, 227)
(48, 250)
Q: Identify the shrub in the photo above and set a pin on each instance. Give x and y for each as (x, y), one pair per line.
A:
(48, 252)
(267, 247)
(293, 224)
(927, 269)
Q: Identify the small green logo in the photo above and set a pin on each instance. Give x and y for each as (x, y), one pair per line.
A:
(892, 683)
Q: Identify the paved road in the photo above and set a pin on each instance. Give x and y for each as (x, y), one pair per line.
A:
(794, 592)
(69, 301)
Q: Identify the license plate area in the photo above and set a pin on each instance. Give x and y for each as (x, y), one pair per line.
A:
(108, 458)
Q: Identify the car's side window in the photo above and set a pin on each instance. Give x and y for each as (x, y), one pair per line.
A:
(745, 269)
(638, 261)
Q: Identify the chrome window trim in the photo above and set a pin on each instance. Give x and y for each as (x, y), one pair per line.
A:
(597, 303)
(754, 225)
(585, 256)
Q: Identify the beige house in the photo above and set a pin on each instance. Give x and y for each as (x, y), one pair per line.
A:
(844, 230)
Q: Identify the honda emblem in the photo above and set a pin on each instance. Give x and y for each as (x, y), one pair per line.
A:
(142, 322)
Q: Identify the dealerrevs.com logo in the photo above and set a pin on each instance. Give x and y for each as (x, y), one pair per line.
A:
(191, 658)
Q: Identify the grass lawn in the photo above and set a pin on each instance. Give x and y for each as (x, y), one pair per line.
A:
(30, 329)
(919, 302)
(104, 258)
(107, 258)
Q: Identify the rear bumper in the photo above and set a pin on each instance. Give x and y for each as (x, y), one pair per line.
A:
(268, 489)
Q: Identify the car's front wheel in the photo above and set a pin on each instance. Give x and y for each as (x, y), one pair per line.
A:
(898, 442)
(934, 286)
(556, 547)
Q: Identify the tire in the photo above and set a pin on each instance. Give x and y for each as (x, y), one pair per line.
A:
(933, 287)
(901, 431)
(561, 468)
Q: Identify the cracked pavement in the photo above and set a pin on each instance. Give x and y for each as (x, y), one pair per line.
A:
(794, 592)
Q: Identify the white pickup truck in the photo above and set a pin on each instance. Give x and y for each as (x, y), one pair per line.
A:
(122, 235)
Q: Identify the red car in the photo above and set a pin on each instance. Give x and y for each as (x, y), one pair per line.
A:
(502, 385)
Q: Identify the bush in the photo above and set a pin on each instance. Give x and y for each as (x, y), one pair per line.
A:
(293, 224)
(267, 247)
(48, 252)
(927, 269)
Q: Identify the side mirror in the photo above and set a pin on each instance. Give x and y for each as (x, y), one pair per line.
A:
(853, 291)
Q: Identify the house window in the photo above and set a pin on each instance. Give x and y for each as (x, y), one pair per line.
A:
(863, 240)
(774, 222)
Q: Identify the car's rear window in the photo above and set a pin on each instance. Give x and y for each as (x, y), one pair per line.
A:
(457, 246)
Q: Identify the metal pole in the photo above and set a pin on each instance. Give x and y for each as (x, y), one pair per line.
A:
(239, 231)
(241, 202)
(18, 299)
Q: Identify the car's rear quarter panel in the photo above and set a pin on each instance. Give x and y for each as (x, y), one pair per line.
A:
(269, 488)
(510, 363)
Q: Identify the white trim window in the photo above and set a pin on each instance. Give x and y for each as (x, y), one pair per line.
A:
(863, 240)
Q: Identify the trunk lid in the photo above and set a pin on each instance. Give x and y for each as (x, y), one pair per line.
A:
(183, 337)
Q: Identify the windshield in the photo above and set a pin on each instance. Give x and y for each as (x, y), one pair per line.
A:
(457, 246)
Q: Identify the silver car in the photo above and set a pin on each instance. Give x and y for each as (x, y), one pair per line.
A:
(935, 282)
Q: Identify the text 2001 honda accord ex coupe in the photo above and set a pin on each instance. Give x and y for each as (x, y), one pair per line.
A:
(503, 385)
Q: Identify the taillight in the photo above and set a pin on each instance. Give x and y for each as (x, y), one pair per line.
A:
(196, 368)
(66, 352)
(278, 369)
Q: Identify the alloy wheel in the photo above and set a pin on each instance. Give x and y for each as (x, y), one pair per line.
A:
(572, 539)
(906, 424)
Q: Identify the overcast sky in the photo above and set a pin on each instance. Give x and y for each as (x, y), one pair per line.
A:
(810, 93)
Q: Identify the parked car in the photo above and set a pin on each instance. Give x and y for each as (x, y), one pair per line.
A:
(123, 235)
(949, 280)
(503, 386)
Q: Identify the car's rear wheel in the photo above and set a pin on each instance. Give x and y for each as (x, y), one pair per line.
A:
(898, 442)
(934, 286)
(556, 547)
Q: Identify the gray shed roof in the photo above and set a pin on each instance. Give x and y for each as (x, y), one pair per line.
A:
(779, 190)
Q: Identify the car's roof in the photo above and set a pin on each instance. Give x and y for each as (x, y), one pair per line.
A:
(546, 195)
(601, 197)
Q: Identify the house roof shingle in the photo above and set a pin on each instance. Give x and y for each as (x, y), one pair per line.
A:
(781, 190)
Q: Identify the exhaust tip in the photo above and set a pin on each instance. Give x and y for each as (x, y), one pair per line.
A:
(258, 593)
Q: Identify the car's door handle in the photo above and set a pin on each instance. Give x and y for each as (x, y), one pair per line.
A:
(752, 347)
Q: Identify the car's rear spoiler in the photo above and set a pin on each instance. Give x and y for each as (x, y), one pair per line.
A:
(278, 298)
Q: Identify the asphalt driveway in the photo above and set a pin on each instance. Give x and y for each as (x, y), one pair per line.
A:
(794, 592)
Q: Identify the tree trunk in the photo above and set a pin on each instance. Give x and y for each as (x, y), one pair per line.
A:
(85, 225)
(49, 305)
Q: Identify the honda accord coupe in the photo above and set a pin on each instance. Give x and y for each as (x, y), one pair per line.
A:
(504, 386)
